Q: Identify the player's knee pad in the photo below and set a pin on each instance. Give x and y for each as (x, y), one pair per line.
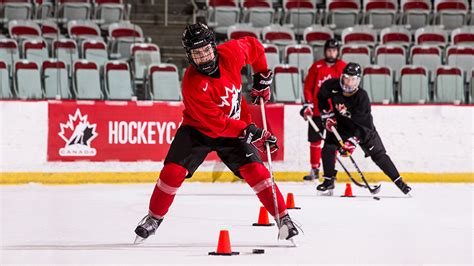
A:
(171, 177)
(254, 173)
(315, 144)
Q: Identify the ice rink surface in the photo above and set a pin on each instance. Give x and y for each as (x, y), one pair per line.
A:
(93, 224)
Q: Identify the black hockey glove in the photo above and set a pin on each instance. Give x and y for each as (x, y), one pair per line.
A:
(307, 110)
(261, 86)
(258, 137)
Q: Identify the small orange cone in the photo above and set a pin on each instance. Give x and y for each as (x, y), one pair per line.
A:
(290, 202)
(348, 192)
(263, 218)
(223, 245)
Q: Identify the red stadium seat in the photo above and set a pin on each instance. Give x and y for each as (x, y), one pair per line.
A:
(241, 30)
(359, 34)
(451, 14)
(395, 35)
(118, 82)
(463, 36)
(415, 13)
(431, 35)
(259, 13)
(356, 53)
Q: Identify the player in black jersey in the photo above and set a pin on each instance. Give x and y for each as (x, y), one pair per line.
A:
(345, 105)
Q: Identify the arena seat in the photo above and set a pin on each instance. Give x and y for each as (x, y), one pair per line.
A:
(258, 13)
(66, 51)
(222, 14)
(359, 34)
(27, 80)
(73, 10)
(380, 13)
(95, 51)
(164, 82)
(428, 56)
(272, 54)
(35, 50)
(416, 13)
(122, 36)
(242, 30)
(431, 35)
(395, 35)
(414, 84)
(463, 36)
(143, 56)
(378, 82)
(299, 55)
(55, 80)
(288, 86)
(393, 57)
(86, 80)
(118, 82)
(278, 35)
(316, 36)
(341, 14)
(449, 85)
(299, 14)
(356, 53)
(5, 88)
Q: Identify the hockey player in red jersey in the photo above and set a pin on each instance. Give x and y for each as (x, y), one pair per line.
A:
(329, 67)
(217, 118)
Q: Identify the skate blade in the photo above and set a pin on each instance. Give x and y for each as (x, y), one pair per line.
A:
(292, 242)
(328, 193)
(139, 240)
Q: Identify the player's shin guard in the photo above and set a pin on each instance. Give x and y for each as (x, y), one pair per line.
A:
(171, 177)
(315, 154)
(258, 177)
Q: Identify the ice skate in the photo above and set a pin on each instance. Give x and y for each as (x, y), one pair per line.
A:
(287, 229)
(146, 227)
(402, 185)
(313, 175)
(327, 187)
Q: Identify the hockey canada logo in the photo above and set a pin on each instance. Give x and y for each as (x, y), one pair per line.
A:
(78, 134)
(342, 109)
(235, 96)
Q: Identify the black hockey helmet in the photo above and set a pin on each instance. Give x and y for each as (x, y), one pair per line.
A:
(331, 44)
(350, 78)
(196, 36)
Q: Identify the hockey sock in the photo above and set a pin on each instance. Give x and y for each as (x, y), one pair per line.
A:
(171, 177)
(258, 177)
(315, 154)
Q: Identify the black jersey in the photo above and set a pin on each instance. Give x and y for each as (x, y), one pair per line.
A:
(353, 113)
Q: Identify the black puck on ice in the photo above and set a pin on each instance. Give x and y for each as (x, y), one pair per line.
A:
(258, 251)
(376, 198)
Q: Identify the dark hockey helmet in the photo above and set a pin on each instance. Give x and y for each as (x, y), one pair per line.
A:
(331, 44)
(350, 78)
(196, 36)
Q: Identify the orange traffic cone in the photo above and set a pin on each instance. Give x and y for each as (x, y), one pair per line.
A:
(348, 192)
(290, 202)
(223, 245)
(263, 218)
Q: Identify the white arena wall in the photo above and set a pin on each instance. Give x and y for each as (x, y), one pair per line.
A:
(427, 143)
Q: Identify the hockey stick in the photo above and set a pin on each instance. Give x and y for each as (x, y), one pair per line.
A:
(373, 190)
(269, 157)
(315, 127)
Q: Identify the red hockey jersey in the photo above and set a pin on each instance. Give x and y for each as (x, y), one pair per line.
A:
(215, 106)
(318, 73)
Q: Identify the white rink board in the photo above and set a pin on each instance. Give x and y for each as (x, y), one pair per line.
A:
(428, 139)
(93, 224)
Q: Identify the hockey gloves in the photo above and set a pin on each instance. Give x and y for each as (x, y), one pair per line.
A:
(307, 110)
(258, 137)
(329, 120)
(261, 86)
(349, 146)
